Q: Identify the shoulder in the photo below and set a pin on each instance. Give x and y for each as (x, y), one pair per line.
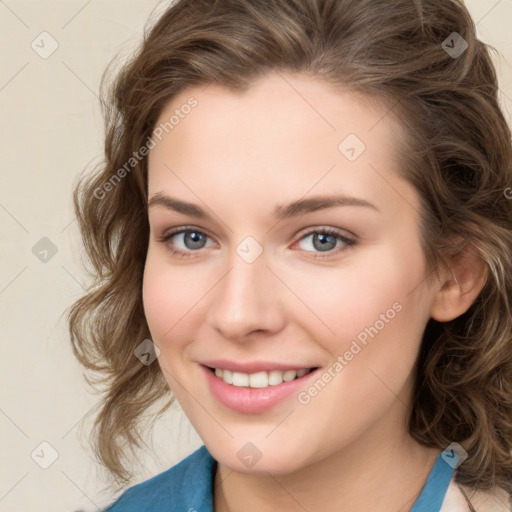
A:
(460, 498)
(185, 486)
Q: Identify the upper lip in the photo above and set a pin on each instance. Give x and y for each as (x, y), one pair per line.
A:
(253, 366)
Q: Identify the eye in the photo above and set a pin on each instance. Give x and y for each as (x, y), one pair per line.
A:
(190, 240)
(325, 240)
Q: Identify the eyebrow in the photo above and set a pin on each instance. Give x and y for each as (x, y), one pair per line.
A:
(293, 209)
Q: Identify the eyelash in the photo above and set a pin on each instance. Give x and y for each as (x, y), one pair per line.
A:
(348, 242)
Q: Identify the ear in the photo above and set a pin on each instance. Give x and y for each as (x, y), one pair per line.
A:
(460, 285)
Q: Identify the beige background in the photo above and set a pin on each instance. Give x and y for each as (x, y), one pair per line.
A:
(51, 128)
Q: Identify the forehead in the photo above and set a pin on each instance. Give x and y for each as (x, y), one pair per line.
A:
(284, 96)
(287, 132)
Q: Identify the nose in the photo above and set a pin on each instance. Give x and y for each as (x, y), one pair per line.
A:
(246, 300)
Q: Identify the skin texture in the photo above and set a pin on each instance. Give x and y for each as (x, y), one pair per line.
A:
(238, 155)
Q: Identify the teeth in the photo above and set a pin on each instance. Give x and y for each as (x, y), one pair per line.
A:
(240, 379)
(227, 376)
(260, 379)
(289, 375)
(275, 377)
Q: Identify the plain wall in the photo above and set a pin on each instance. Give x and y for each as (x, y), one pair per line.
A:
(50, 130)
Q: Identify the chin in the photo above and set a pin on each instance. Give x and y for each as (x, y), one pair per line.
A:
(251, 461)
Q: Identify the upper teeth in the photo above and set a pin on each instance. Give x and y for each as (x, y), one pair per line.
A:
(260, 379)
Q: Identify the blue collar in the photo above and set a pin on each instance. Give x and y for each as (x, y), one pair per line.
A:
(432, 495)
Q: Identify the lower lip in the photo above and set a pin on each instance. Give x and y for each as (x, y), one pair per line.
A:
(253, 400)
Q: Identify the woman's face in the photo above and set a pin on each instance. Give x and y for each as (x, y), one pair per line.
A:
(258, 287)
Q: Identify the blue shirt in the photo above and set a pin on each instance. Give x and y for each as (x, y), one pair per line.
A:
(188, 487)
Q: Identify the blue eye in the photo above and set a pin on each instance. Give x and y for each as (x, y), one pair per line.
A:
(192, 239)
(324, 240)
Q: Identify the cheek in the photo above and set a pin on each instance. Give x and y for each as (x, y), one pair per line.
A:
(386, 317)
(156, 299)
(371, 312)
(343, 301)
(164, 297)
(174, 298)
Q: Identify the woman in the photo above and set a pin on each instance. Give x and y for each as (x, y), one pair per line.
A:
(302, 231)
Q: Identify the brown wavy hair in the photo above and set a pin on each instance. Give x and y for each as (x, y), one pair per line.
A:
(456, 152)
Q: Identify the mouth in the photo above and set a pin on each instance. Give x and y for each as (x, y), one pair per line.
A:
(262, 379)
(257, 392)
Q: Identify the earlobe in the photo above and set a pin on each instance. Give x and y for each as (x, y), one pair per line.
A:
(460, 286)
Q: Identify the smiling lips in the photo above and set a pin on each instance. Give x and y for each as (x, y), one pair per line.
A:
(255, 389)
